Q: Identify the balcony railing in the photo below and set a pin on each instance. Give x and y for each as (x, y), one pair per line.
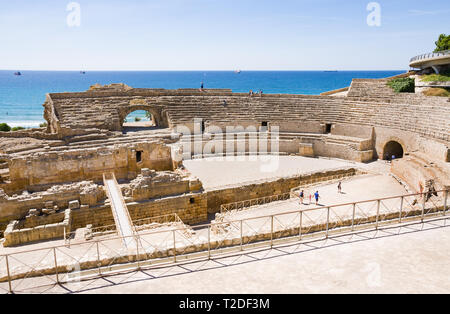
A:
(430, 55)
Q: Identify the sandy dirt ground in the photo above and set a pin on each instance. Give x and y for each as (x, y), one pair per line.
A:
(218, 172)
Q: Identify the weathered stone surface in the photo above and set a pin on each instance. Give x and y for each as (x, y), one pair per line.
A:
(74, 205)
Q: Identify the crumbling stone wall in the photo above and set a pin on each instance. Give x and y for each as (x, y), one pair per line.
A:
(151, 184)
(18, 233)
(17, 207)
(44, 169)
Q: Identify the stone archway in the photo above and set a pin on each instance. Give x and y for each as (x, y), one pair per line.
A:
(141, 105)
(393, 148)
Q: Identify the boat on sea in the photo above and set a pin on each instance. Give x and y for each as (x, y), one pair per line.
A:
(238, 71)
(331, 71)
(82, 72)
(17, 73)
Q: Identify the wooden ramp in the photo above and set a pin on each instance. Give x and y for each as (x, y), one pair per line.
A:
(121, 215)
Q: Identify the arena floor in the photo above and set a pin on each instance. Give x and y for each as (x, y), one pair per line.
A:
(218, 172)
(356, 189)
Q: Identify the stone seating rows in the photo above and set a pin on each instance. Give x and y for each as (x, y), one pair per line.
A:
(428, 118)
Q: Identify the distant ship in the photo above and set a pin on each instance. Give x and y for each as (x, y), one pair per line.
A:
(17, 73)
(82, 72)
(331, 71)
(238, 71)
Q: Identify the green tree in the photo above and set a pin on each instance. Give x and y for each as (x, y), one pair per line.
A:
(4, 127)
(443, 43)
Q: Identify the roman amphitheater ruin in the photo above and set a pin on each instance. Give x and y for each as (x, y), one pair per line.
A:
(218, 171)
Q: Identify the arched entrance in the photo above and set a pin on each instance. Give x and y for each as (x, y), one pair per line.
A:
(393, 149)
(139, 117)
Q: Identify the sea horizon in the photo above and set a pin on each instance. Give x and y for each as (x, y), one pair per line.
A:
(21, 97)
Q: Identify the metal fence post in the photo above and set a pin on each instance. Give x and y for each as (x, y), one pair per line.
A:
(99, 264)
(138, 257)
(174, 248)
(353, 216)
(423, 206)
(445, 206)
(300, 227)
(56, 265)
(9, 275)
(209, 242)
(271, 233)
(445, 201)
(401, 210)
(328, 221)
(378, 213)
(242, 239)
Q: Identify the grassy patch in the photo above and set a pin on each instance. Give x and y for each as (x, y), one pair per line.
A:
(441, 92)
(403, 85)
(443, 77)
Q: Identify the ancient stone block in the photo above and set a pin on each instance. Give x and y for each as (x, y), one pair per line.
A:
(74, 205)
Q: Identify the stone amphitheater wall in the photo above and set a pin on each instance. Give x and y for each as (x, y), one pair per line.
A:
(255, 190)
(87, 164)
(18, 206)
(191, 208)
(410, 142)
(353, 130)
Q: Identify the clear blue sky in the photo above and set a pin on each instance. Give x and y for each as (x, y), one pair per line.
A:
(218, 34)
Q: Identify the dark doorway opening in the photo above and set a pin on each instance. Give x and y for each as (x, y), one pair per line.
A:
(393, 150)
(138, 156)
(328, 128)
(203, 127)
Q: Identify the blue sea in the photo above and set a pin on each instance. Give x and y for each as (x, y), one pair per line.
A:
(21, 97)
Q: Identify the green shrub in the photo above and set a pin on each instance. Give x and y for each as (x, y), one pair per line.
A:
(403, 85)
(137, 119)
(442, 77)
(43, 125)
(4, 127)
(17, 128)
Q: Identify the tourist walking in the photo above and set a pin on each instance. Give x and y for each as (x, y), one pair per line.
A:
(340, 188)
(302, 196)
(201, 86)
(317, 197)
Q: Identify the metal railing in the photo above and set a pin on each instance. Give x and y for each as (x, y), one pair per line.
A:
(41, 269)
(165, 219)
(254, 202)
(430, 55)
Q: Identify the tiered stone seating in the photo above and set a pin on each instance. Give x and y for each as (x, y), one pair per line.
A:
(370, 88)
(428, 117)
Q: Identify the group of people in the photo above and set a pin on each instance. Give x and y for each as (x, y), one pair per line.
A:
(310, 196)
(251, 93)
(316, 195)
